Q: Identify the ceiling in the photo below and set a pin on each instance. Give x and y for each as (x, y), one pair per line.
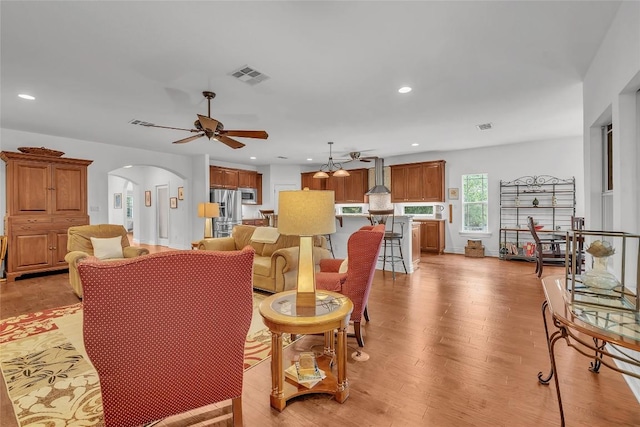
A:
(334, 72)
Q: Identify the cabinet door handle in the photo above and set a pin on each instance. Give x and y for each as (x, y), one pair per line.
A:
(25, 227)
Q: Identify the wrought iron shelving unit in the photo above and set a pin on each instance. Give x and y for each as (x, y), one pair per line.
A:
(551, 201)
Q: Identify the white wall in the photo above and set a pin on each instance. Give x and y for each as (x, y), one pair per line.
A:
(610, 95)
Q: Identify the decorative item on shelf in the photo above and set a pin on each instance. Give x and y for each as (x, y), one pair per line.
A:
(208, 211)
(535, 202)
(517, 201)
(306, 213)
(330, 167)
(599, 276)
(554, 200)
(41, 151)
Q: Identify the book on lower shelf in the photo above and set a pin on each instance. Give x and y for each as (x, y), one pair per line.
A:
(307, 381)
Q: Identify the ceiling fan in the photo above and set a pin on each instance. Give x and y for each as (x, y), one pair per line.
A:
(212, 128)
(357, 156)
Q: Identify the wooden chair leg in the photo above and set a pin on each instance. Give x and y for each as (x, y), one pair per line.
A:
(236, 409)
(366, 314)
(356, 329)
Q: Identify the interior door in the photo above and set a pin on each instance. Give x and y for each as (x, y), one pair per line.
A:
(162, 214)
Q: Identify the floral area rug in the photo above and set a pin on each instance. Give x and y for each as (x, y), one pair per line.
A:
(49, 377)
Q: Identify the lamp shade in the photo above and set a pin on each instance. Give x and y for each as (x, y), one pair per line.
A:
(208, 210)
(341, 173)
(306, 212)
(321, 174)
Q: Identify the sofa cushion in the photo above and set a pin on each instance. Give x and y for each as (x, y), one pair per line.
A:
(262, 265)
(265, 235)
(107, 248)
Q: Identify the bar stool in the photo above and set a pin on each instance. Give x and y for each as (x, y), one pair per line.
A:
(328, 237)
(392, 240)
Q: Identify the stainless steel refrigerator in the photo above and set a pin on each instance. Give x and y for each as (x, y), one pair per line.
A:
(230, 202)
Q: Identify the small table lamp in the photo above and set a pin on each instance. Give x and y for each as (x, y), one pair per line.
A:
(207, 211)
(306, 213)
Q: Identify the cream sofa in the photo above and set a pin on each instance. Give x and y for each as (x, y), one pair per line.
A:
(275, 265)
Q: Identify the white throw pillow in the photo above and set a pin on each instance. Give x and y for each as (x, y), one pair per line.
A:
(344, 266)
(107, 248)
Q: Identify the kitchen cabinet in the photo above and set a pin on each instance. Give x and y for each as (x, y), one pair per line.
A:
(348, 189)
(415, 244)
(308, 181)
(259, 189)
(432, 237)
(247, 179)
(45, 195)
(223, 178)
(355, 186)
(418, 182)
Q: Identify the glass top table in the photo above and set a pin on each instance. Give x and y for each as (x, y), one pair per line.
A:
(577, 318)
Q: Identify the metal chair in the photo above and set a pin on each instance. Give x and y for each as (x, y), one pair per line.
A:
(392, 240)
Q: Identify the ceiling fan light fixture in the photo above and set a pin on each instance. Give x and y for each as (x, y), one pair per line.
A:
(341, 173)
(321, 174)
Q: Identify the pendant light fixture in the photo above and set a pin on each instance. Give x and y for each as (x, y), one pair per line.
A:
(331, 168)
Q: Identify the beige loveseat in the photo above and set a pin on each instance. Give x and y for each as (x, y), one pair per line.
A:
(79, 247)
(275, 265)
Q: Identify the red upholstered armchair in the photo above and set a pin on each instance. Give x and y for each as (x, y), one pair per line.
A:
(166, 332)
(362, 253)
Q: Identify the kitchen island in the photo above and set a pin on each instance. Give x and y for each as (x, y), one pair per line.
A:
(346, 225)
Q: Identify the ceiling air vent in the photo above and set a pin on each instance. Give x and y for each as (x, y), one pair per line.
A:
(485, 126)
(249, 75)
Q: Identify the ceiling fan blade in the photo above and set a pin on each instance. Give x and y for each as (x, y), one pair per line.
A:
(208, 123)
(168, 127)
(246, 133)
(230, 142)
(188, 139)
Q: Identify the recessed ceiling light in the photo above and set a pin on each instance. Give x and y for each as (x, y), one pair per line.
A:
(25, 96)
(309, 159)
(252, 157)
(415, 144)
(127, 167)
(404, 89)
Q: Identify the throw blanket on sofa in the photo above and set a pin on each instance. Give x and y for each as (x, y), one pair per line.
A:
(265, 235)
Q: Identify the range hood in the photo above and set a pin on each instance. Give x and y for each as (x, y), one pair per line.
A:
(379, 187)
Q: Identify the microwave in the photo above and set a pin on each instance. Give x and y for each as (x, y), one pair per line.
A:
(249, 196)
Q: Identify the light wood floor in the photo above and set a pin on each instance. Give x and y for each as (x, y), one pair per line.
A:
(457, 343)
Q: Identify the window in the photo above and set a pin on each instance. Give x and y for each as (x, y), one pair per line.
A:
(351, 210)
(608, 185)
(418, 210)
(475, 202)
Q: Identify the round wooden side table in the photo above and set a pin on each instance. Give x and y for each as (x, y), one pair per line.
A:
(331, 312)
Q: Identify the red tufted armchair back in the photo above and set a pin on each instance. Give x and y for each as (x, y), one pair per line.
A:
(362, 251)
(166, 332)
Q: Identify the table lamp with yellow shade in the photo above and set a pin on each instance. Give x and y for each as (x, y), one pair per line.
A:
(306, 213)
(207, 211)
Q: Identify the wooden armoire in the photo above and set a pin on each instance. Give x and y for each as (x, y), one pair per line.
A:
(45, 196)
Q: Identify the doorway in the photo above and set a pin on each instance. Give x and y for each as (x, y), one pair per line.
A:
(162, 214)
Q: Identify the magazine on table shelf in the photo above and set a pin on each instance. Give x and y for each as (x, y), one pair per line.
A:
(305, 370)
